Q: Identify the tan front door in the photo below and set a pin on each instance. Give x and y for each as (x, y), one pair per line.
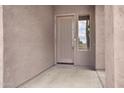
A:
(64, 48)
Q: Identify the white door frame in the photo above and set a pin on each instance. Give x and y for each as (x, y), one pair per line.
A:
(55, 37)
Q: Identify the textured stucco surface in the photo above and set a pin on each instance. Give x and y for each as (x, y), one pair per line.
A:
(109, 47)
(1, 47)
(114, 50)
(85, 57)
(28, 39)
(119, 45)
(100, 37)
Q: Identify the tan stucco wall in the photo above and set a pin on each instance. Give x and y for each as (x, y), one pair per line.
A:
(100, 36)
(83, 58)
(109, 47)
(119, 45)
(114, 46)
(28, 40)
(1, 47)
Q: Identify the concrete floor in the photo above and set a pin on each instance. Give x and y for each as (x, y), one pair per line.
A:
(65, 76)
(101, 75)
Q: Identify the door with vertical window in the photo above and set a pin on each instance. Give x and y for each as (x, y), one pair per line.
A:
(73, 40)
(83, 41)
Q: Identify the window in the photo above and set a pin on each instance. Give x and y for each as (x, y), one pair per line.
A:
(83, 32)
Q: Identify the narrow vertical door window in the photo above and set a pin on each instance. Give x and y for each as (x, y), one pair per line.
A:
(83, 32)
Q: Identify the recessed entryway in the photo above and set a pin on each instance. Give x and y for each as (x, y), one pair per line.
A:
(50, 35)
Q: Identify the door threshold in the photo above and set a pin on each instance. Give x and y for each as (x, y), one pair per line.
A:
(65, 63)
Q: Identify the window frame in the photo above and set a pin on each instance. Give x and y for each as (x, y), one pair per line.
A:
(87, 34)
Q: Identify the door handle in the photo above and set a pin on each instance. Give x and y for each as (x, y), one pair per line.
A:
(73, 43)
